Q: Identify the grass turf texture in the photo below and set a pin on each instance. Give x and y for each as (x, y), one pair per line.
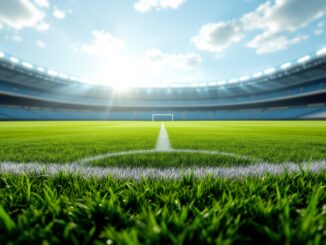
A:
(74, 210)
(171, 159)
(272, 141)
(64, 142)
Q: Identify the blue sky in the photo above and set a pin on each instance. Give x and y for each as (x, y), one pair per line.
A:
(157, 42)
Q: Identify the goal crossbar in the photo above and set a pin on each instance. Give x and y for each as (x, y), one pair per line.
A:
(164, 115)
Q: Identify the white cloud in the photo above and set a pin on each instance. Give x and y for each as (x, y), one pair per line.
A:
(271, 42)
(59, 13)
(40, 44)
(104, 43)
(183, 61)
(42, 3)
(20, 14)
(279, 19)
(275, 21)
(148, 5)
(112, 64)
(216, 37)
(289, 15)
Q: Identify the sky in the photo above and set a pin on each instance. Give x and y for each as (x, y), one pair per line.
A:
(128, 43)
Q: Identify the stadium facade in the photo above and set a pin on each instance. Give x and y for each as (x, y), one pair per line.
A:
(294, 90)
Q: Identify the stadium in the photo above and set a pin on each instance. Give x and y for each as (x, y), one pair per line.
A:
(294, 90)
(156, 148)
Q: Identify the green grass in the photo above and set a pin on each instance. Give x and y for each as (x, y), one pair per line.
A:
(273, 141)
(74, 210)
(166, 160)
(63, 142)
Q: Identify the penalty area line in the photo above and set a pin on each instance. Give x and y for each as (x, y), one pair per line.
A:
(137, 173)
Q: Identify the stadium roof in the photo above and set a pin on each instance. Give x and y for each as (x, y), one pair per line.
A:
(277, 71)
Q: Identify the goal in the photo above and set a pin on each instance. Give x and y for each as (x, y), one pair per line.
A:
(162, 117)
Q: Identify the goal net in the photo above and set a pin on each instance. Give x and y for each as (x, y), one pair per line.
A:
(162, 117)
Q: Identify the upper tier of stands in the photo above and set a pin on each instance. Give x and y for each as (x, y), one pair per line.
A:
(315, 87)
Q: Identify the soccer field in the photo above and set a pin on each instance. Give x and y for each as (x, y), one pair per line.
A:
(173, 182)
(244, 142)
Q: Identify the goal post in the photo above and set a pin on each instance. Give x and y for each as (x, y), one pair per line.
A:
(162, 117)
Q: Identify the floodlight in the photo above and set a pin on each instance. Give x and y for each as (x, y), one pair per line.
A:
(14, 60)
(63, 76)
(221, 82)
(244, 78)
(303, 59)
(269, 71)
(257, 75)
(52, 73)
(286, 65)
(41, 69)
(2, 54)
(27, 65)
(321, 52)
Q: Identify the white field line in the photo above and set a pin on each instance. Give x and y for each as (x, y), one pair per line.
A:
(80, 167)
(256, 170)
(162, 146)
(163, 142)
(113, 154)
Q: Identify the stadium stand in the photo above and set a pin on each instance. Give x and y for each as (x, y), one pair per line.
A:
(295, 90)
